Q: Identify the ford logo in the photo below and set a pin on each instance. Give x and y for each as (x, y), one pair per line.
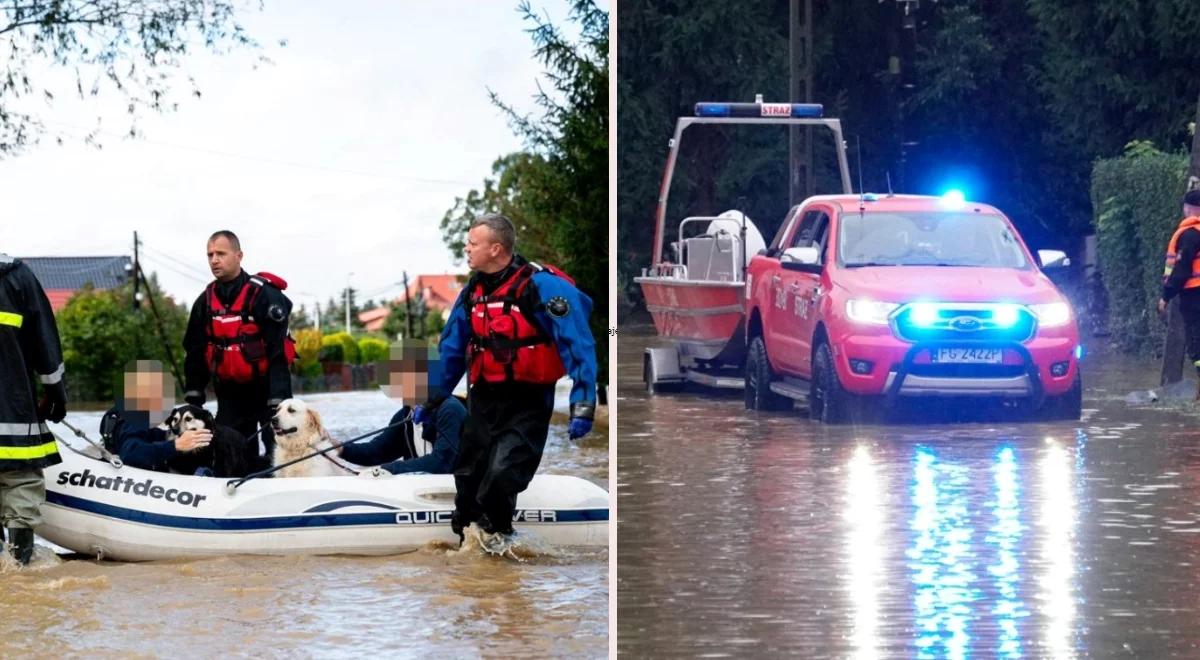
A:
(965, 323)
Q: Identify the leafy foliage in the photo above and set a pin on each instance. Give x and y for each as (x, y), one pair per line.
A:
(134, 48)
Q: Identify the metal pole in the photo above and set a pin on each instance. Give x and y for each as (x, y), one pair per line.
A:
(136, 270)
(408, 325)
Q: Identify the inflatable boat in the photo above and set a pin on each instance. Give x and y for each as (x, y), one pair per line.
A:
(97, 508)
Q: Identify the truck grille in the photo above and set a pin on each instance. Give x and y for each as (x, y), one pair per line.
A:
(964, 322)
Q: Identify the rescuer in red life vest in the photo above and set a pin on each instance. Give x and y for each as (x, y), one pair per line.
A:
(516, 328)
(237, 337)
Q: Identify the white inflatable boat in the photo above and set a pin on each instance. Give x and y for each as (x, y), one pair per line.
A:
(130, 514)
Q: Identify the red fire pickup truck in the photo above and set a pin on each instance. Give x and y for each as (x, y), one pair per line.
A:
(862, 300)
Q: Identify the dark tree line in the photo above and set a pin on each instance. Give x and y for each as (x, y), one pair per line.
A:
(1012, 101)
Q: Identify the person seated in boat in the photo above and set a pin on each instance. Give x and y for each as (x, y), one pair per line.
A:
(397, 450)
(131, 429)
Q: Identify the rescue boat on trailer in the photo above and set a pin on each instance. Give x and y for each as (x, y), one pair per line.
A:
(696, 291)
(94, 507)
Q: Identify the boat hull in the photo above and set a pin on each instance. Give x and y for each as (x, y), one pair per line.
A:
(137, 515)
(705, 319)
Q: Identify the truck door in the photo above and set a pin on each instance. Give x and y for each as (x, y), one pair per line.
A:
(792, 289)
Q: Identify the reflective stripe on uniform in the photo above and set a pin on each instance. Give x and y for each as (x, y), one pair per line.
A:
(9, 318)
(52, 378)
(29, 453)
(22, 429)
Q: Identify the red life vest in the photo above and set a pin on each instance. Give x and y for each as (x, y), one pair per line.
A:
(236, 351)
(507, 345)
(1173, 253)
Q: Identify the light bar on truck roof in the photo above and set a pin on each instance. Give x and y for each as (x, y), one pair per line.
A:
(767, 110)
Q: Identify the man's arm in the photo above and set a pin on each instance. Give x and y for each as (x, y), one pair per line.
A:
(272, 311)
(452, 351)
(563, 313)
(40, 332)
(195, 342)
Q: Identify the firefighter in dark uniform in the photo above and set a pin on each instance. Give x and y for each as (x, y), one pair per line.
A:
(30, 354)
(516, 328)
(237, 336)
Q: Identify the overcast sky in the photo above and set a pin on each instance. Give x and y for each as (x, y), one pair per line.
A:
(341, 156)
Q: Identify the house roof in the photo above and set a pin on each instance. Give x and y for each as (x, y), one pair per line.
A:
(438, 291)
(73, 273)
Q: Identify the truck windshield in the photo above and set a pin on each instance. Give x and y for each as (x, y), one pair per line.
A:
(928, 239)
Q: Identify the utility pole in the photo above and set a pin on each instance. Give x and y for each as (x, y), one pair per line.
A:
(904, 65)
(800, 175)
(1175, 346)
(408, 326)
(137, 270)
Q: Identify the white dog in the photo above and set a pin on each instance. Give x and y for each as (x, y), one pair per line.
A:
(298, 432)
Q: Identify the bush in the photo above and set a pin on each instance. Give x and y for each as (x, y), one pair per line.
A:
(101, 334)
(372, 350)
(308, 351)
(1136, 199)
(339, 347)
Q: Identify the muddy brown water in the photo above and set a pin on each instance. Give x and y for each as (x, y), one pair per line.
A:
(430, 602)
(742, 534)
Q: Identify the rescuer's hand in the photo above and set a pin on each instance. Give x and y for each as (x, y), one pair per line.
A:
(53, 406)
(1162, 306)
(191, 440)
(578, 427)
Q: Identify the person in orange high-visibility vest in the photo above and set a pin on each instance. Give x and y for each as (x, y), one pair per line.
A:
(1181, 277)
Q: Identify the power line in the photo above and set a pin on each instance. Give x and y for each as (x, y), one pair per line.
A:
(177, 271)
(180, 262)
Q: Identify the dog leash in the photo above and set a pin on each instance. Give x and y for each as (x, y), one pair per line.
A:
(232, 485)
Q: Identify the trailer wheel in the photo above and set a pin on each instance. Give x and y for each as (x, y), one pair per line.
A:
(758, 380)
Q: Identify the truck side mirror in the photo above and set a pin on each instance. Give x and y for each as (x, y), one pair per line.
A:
(1053, 259)
(800, 258)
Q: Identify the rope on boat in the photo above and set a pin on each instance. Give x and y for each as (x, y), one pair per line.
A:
(115, 461)
(231, 486)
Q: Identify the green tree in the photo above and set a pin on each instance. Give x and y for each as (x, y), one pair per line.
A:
(557, 191)
(102, 333)
(131, 48)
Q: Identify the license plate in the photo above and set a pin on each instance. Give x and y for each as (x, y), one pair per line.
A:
(969, 355)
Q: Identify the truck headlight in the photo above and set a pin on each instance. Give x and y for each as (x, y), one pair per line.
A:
(1051, 315)
(869, 311)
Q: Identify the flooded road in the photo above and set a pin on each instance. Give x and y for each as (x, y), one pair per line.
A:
(430, 602)
(745, 533)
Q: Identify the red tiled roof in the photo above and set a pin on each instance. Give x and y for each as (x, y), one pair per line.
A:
(438, 291)
(59, 297)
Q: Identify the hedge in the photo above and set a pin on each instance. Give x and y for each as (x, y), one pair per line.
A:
(1136, 201)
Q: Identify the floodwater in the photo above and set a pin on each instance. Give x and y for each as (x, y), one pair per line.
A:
(430, 602)
(747, 534)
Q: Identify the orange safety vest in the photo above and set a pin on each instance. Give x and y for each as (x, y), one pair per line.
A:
(1173, 255)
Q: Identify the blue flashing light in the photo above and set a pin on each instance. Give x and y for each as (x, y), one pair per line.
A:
(923, 315)
(760, 110)
(954, 198)
(712, 110)
(1005, 316)
(1079, 352)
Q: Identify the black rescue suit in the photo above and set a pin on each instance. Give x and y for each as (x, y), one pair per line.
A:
(237, 337)
(30, 354)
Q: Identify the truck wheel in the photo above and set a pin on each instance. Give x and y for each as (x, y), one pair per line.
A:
(828, 402)
(1067, 406)
(758, 380)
